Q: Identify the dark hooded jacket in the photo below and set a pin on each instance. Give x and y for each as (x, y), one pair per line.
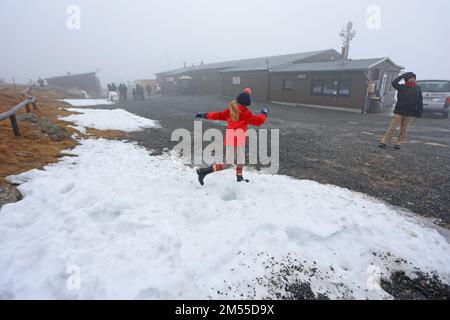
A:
(409, 99)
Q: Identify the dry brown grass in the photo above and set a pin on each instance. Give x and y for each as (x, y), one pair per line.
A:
(21, 154)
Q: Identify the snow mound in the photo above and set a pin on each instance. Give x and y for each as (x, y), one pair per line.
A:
(86, 102)
(117, 119)
(118, 223)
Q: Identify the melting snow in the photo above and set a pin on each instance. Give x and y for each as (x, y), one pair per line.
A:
(130, 225)
(86, 102)
(117, 119)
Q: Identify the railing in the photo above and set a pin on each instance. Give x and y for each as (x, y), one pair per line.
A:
(11, 114)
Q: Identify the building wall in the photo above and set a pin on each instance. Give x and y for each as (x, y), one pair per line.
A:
(168, 88)
(145, 82)
(269, 86)
(173, 85)
(258, 81)
(302, 92)
(210, 82)
(87, 82)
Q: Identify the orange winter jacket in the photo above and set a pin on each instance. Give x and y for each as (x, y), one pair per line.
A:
(237, 130)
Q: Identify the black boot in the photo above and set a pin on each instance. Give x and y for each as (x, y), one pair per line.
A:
(241, 178)
(203, 172)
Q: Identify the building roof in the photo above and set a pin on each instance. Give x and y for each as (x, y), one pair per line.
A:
(361, 64)
(72, 75)
(261, 63)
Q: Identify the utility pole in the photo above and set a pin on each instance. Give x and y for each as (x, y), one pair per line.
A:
(347, 34)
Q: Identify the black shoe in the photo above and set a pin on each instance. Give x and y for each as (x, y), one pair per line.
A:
(397, 147)
(241, 179)
(203, 172)
(382, 145)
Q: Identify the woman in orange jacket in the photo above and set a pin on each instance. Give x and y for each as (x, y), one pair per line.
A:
(239, 117)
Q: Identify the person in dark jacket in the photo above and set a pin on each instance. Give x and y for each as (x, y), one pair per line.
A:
(41, 82)
(120, 88)
(141, 93)
(148, 88)
(409, 105)
(125, 93)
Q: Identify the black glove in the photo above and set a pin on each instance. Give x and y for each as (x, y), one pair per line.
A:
(265, 111)
(202, 115)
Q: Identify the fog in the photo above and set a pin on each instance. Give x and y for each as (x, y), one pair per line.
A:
(134, 39)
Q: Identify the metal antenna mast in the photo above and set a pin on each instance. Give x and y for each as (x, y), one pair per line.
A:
(348, 34)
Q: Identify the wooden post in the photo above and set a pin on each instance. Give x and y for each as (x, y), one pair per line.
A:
(15, 125)
(28, 108)
(34, 105)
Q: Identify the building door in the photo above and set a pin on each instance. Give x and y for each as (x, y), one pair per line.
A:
(184, 85)
(383, 88)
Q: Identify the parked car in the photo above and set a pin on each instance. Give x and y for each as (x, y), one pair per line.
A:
(436, 96)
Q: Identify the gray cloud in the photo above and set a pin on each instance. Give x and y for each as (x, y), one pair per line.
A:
(133, 39)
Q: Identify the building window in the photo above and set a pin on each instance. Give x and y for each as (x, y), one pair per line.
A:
(317, 87)
(288, 85)
(330, 85)
(237, 80)
(344, 87)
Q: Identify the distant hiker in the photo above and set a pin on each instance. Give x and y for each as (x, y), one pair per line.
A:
(125, 93)
(120, 88)
(409, 105)
(148, 88)
(41, 82)
(108, 93)
(136, 90)
(239, 117)
(123, 90)
(112, 93)
(140, 92)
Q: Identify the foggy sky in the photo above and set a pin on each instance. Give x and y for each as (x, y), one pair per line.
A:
(133, 39)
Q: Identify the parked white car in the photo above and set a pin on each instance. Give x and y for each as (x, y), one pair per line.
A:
(436, 96)
(113, 97)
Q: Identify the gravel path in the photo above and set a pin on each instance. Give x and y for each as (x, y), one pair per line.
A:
(338, 148)
(334, 147)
